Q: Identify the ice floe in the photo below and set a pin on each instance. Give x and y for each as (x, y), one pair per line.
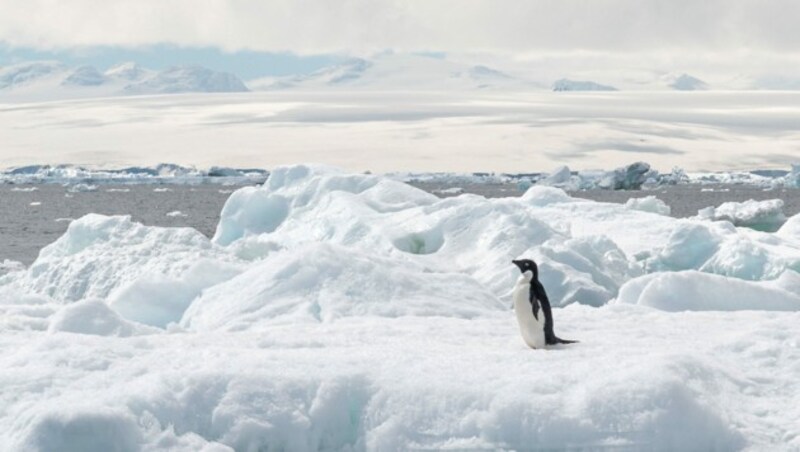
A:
(336, 311)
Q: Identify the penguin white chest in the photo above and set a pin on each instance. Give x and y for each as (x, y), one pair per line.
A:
(531, 328)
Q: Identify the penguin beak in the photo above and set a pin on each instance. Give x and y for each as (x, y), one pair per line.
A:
(517, 263)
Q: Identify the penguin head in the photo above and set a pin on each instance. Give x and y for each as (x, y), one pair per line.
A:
(527, 265)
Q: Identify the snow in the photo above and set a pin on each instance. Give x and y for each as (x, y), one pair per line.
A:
(696, 291)
(686, 82)
(341, 311)
(188, 79)
(50, 80)
(578, 85)
(490, 131)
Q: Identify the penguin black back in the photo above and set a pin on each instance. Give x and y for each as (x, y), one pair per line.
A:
(538, 293)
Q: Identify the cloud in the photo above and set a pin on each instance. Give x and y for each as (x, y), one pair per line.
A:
(363, 26)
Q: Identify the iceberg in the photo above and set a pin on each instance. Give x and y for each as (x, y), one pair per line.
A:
(759, 215)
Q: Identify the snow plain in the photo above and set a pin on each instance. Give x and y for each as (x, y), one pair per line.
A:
(424, 131)
(338, 311)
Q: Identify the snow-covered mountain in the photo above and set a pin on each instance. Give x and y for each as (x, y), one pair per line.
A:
(26, 73)
(685, 82)
(129, 71)
(400, 71)
(48, 80)
(191, 79)
(579, 85)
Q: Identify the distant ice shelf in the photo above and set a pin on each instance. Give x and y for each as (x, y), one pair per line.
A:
(636, 176)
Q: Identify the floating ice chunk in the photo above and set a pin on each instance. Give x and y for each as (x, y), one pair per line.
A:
(176, 213)
(793, 178)
(630, 177)
(93, 316)
(759, 215)
(649, 204)
(542, 196)
(698, 291)
(77, 188)
(560, 177)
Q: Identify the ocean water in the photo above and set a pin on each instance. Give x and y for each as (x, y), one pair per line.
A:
(32, 216)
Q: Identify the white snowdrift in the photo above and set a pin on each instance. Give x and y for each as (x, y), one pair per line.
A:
(324, 282)
(697, 291)
(334, 311)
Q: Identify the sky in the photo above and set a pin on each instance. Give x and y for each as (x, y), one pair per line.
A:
(280, 37)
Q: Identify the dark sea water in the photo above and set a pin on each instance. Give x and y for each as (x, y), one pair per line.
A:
(32, 216)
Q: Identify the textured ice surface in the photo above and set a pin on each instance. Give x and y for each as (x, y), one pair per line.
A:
(760, 215)
(336, 311)
(85, 179)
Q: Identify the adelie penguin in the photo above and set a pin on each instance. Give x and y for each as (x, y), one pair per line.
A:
(533, 308)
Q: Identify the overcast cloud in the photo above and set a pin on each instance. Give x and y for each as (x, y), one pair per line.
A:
(516, 27)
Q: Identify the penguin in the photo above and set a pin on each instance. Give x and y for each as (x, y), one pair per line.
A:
(532, 307)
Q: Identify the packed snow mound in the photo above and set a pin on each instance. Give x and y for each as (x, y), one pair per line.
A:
(468, 234)
(698, 291)
(323, 283)
(759, 215)
(188, 79)
(579, 85)
(722, 249)
(98, 254)
(158, 300)
(93, 316)
(310, 387)
(649, 204)
(790, 229)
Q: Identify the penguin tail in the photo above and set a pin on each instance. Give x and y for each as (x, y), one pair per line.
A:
(557, 340)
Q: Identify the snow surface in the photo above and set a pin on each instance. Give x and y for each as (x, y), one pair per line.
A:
(520, 131)
(338, 311)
